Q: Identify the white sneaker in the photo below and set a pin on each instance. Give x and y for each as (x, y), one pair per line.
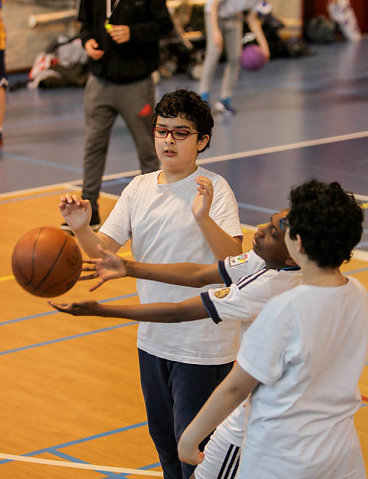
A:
(223, 109)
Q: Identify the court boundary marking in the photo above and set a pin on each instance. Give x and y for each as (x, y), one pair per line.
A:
(52, 462)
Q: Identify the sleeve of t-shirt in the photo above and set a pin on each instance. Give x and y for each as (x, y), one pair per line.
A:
(241, 301)
(224, 208)
(118, 223)
(264, 344)
(233, 268)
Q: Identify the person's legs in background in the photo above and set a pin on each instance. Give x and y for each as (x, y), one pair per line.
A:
(211, 59)
(232, 28)
(135, 103)
(2, 111)
(3, 80)
(3, 84)
(100, 115)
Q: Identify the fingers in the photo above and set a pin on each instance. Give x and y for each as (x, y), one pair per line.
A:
(204, 181)
(91, 262)
(92, 50)
(97, 285)
(72, 201)
(88, 276)
(62, 307)
(119, 33)
(204, 185)
(70, 198)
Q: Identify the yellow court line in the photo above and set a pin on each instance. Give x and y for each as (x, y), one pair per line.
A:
(51, 462)
(364, 205)
(6, 278)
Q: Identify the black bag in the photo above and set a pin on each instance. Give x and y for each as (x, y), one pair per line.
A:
(320, 30)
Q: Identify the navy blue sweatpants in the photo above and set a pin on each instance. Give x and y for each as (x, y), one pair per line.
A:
(174, 392)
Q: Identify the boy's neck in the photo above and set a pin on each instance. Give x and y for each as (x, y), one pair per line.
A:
(173, 176)
(313, 275)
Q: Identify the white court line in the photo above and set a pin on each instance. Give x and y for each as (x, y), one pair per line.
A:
(51, 462)
(287, 147)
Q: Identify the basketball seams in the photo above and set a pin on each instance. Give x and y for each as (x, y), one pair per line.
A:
(66, 280)
(27, 280)
(52, 265)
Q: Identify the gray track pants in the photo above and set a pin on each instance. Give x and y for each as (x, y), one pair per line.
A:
(103, 102)
(232, 29)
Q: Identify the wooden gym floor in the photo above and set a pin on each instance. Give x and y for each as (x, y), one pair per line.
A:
(70, 386)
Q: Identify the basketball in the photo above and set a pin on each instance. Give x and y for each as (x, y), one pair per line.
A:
(252, 58)
(46, 261)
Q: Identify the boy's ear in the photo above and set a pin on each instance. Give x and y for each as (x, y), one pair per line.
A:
(203, 142)
(300, 244)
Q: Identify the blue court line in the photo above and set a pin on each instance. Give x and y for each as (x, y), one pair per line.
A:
(28, 159)
(111, 475)
(353, 271)
(66, 338)
(52, 449)
(54, 311)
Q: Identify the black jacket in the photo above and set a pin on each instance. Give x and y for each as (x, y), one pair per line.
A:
(134, 60)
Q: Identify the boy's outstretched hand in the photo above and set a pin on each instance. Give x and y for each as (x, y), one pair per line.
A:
(203, 200)
(83, 308)
(109, 266)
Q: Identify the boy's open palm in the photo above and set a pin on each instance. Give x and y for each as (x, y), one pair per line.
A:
(83, 308)
(109, 266)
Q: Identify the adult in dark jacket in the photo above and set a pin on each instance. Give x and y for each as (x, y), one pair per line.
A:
(121, 40)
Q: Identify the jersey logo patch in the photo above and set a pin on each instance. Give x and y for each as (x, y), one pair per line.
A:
(222, 293)
(235, 260)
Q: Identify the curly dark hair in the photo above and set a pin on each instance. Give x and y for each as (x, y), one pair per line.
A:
(328, 219)
(188, 105)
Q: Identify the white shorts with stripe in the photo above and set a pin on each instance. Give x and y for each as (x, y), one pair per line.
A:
(221, 459)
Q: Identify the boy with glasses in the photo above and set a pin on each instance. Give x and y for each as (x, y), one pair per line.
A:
(302, 358)
(169, 220)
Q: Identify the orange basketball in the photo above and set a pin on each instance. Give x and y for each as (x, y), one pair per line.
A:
(46, 261)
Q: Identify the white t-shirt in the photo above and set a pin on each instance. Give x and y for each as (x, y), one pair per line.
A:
(228, 8)
(159, 219)
(307, 348)
(243, 301)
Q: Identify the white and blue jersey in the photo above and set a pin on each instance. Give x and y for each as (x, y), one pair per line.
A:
(245, 295)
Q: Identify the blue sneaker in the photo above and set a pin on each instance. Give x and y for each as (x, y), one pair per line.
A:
(224, 108)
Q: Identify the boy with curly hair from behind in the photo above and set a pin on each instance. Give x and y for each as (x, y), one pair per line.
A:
(302, 358)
